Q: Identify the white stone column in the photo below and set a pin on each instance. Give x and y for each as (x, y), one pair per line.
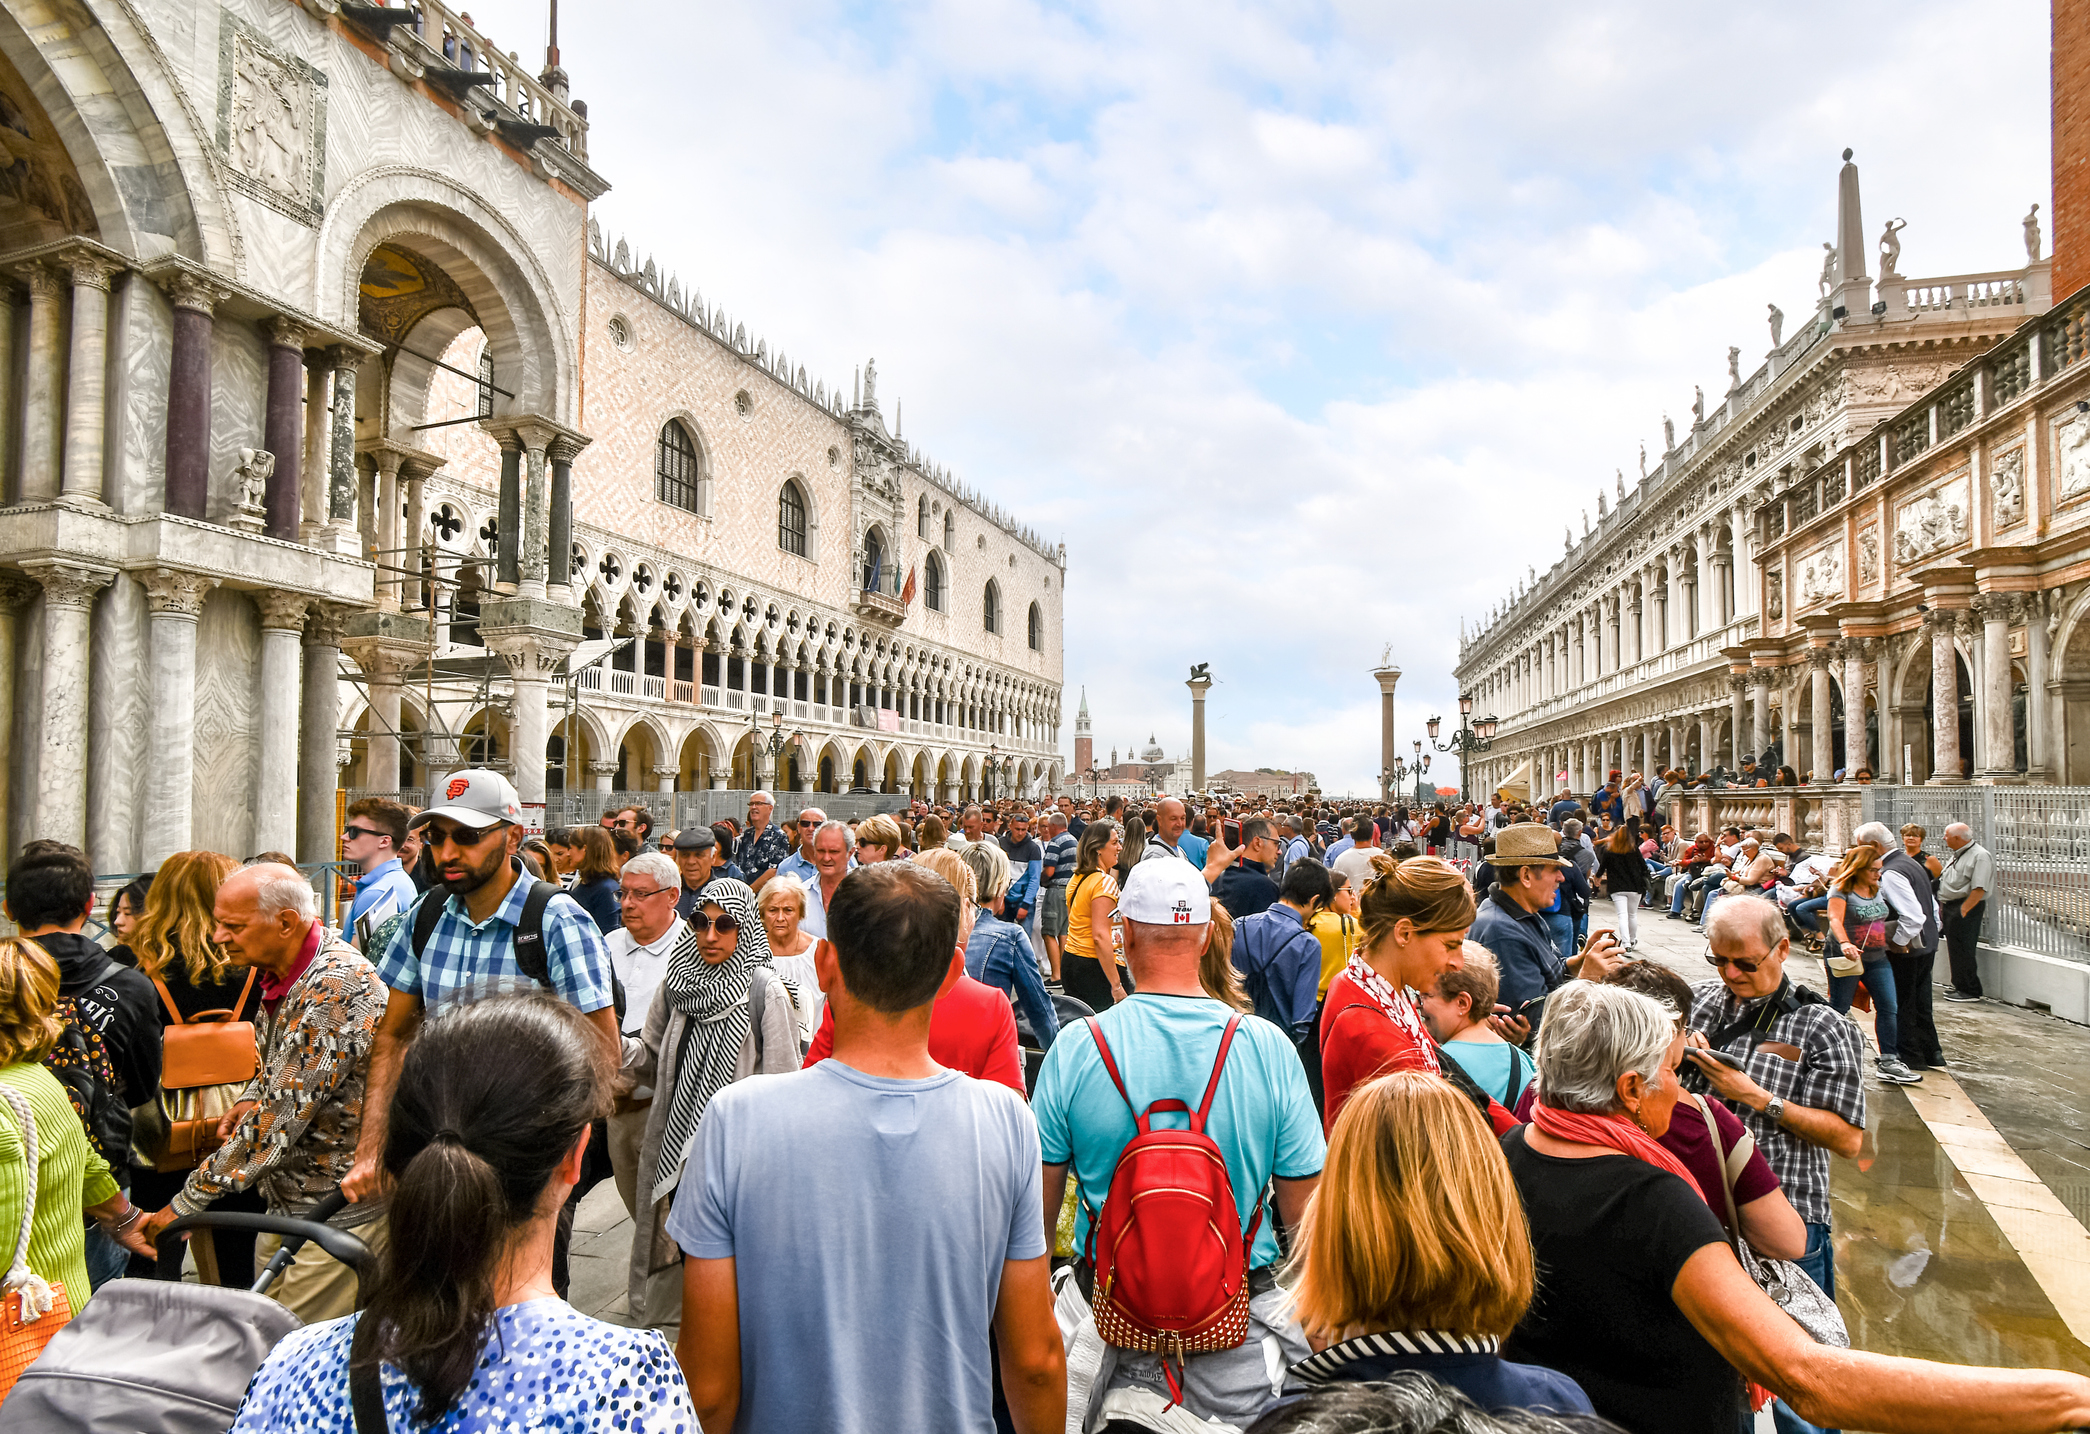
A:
(43, 395)
(527, 730)
(414, 536)
(381, 730)
(1944, 698)
(386, 531)
(1821, 724)
(536, 511)
(175, 599)
(319, 721)
(15, 592)
(606, 772)
(1708, 741)
(276, 770)
(1760, 723)
(2031, 611)
(664, 778)
(61, 770)
(86, 387)
(1998, 730)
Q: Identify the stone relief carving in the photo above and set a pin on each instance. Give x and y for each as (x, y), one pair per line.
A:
(1869, 556)
(2074, 436)
(271, 120)
(1931, 523)
(2008, 484)
(1821, 576)
(256, 467)
(1774, 594)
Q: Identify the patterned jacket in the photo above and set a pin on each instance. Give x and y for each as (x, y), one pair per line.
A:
(299, 1140)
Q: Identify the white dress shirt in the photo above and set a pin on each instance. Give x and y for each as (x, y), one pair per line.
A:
(641, 968)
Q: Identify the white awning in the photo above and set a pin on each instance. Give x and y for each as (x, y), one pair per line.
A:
(1517, 785)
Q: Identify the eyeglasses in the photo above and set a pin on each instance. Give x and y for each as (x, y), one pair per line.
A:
(459, 836)
(1720, 963)
(352, 833)
(625, 893)
(809, 821)
(725, 924)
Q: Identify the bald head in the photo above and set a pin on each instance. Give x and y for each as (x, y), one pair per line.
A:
(263, 915)
(1170, 818)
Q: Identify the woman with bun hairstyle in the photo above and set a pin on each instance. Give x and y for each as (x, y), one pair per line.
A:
(489, 1130)
(1414, 916)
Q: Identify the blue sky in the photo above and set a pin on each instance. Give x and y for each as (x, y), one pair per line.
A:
(1309, 327)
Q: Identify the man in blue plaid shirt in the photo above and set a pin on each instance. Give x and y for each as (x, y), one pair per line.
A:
(473, 839)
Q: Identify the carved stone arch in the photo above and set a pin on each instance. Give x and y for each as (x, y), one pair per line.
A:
(655, 730)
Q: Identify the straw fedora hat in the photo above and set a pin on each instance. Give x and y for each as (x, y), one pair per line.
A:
(1527, 844)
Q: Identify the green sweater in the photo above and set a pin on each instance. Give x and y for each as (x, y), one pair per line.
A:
(69, 1177)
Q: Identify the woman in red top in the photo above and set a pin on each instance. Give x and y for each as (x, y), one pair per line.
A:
(1414, 915)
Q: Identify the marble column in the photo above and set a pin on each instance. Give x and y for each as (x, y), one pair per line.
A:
(2031, 611)
(1387, 676)
(1857, 661)
(507, 573)
(276, 727)
(341, 465)
(42, 396)
(1737, 717)
(414, 538)
(61, 767)
(606, 772)
(664, 778)
(87, 376)
(175, 600)
(385, 530)
(1708, 742)
(312, 499)
(1998, 730)
(1760, 723)
(319, 721)
(536, 512)
(188, 395)
(1199, 686)
(1944, 699)
(283, 428)
(527, 729)
(15, 592)
(559, 557)
(381, 676)
(1679, 748)
(1821, 727)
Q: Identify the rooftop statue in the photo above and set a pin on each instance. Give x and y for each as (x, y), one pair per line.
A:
(1890, 248)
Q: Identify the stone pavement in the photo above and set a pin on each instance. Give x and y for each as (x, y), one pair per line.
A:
(1959, 1228)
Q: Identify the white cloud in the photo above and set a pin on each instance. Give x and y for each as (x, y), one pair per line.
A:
(1309, 328)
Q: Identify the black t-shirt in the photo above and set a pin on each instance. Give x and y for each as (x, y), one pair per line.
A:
(1610, 1234)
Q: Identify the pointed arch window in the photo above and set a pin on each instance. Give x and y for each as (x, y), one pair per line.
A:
(921, 516)
(678, 469)
(1037, 628)
(791, 518)
(990, 606)
(933, 585)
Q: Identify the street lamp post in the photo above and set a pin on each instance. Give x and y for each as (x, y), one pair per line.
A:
(993, 768)
(776, 741)
(1474, 735)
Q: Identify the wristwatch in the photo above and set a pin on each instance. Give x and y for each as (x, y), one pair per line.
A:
(1774, 1112)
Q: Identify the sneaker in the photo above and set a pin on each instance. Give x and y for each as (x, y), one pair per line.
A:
(1956, 994)
(1895, 1073)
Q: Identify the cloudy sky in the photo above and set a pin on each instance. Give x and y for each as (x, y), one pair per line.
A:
(1308, 327)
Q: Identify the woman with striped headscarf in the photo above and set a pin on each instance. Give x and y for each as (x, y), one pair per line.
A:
(722, 1013)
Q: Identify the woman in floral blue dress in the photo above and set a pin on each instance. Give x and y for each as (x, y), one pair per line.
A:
(489, 1125)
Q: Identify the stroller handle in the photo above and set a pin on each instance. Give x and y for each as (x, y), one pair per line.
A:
(340, 1244)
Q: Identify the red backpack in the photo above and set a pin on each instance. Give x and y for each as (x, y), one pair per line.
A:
(1170, 1261)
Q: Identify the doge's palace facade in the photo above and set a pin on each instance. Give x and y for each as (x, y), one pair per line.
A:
(1750, 568)
(332, 432)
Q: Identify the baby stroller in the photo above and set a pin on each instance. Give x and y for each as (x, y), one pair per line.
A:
(162, 1357)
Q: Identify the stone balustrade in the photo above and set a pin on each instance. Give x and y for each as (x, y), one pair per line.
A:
(1820, 818)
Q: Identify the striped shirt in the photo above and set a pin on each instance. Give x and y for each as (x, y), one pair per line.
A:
(1059, 855)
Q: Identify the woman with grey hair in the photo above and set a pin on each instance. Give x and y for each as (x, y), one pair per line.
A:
(1644, 1303)
(999, 952)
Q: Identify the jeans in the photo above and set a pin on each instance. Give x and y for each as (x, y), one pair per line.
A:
(1878, 977)
(1562, 926)
(1676, 897)
(1803, 913)
(1820, 1264)
(1962, 937)
(106, 1260)
(1657, 872)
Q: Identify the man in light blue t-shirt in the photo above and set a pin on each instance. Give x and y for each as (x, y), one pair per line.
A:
(854, 1231)
(1164, 1038)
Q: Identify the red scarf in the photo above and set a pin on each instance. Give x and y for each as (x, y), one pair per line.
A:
(1397, 1006)
(1615, 1131)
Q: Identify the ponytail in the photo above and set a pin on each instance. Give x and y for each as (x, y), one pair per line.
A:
(489, 1103)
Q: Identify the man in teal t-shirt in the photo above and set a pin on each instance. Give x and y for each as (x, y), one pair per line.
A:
(1164, 1039)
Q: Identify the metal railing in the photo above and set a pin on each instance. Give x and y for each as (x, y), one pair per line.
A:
(2040, 839)
(328, 878)
(672, 811)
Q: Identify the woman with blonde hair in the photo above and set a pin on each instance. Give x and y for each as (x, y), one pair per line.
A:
(70, 1176)
(1414, 916)
(1856, 951)
(878, 839)
(1415, 1255)
(783, 908)
(1215, 969)
(171, 946)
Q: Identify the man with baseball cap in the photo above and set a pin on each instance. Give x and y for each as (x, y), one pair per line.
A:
(473, 837)
(1165, 1040)
(698, 857)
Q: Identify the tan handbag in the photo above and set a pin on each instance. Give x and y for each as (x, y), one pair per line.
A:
(206, 1061)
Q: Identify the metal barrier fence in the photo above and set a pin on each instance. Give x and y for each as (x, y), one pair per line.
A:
(2040, 839)
(327, 877)
(672, 811)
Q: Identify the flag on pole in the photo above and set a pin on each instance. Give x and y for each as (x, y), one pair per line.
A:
(907, 593)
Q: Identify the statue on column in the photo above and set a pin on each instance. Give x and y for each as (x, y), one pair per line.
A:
(2032, 236)
(1777, 325)
(1697, 405)
(1734, 367)
(1890, 248)
(1828, 268)
(1668, 435)
(256, 467)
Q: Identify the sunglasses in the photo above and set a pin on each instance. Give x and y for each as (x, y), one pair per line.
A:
(809, 821)
(458, 836)
(724, 923)
(351, 833)
(1721, 963)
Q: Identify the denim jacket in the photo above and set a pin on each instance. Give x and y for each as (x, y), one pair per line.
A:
(999, 953)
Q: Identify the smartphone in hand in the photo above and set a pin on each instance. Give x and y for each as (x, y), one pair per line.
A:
(1733, 1062)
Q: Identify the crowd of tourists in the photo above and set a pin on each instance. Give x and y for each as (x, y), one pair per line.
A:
(1027, 1116)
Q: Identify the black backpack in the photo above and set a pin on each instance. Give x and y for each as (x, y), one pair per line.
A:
(529, 935)
(80, 1061)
